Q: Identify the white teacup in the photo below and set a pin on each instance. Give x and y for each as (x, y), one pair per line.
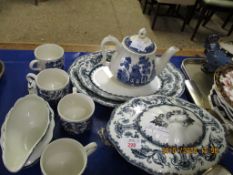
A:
(47, 56)
(75, 111)
(51, 84)
(65, 156)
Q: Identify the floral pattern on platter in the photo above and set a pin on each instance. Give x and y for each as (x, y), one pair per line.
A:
(162, 119)
(150, 156)
(55, 64)
(75, 127)
(227, 81)
(172, 79)
(138, 74)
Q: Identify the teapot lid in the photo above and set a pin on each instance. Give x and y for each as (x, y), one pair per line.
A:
(140, 43)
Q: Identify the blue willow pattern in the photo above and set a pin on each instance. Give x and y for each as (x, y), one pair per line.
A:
(56, 64)
(138, 74)
(75, 127)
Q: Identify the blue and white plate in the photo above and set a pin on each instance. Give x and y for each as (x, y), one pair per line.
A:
(217, 105)
(95, 77)
(73, 72)
(166, 135)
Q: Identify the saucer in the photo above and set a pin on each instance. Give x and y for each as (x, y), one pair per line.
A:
(103, 79)
(172, 80)
(141, 130)
(43, 143)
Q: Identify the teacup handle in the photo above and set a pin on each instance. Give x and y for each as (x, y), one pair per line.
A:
(105, 41)
(34, 65)
(31, 78)
(74, 90)
(90, 148)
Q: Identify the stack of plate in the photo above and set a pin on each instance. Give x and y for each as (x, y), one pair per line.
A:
(91, 77)
(221, 94)
(27, 129)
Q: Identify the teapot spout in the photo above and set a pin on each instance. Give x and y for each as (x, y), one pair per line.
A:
(162, 62)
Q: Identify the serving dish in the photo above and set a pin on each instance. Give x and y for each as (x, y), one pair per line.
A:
(44, 141)
(198, 83)
(145, 131)
(25, 125)
(41, 145)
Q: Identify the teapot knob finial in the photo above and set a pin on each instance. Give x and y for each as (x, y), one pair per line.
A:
(142, 33)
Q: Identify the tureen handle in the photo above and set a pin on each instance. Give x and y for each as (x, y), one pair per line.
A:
(105, 41)
(90, 148)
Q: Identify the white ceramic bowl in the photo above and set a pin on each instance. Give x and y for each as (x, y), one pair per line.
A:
(25, 125)
(65, 156)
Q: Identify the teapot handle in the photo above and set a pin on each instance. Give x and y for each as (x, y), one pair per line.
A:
(105, 41)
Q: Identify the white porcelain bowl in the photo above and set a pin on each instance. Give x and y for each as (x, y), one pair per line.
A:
(25, 125)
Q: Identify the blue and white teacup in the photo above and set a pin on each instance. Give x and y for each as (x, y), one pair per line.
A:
(75, 111)
(51, 84)
(47, 56)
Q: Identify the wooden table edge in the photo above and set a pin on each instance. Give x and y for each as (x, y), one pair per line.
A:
(90, 48)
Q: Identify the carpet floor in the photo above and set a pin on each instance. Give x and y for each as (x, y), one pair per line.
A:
(89, 21)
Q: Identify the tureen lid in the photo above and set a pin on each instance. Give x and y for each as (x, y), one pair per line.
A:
(172, 126)
(168, 135)
(140, 43)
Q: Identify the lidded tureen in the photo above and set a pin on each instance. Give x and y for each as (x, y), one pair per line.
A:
(134, 61)
(164, 135)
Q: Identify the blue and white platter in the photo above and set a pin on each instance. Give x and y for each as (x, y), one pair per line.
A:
(88, 74)
(73, 72)
(166, 135)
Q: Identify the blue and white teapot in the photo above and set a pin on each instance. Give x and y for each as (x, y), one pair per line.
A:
(134, 62)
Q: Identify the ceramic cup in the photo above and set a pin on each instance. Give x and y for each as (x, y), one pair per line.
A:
(65, 156)
(47, 56)
(51, 84)
(75, 111)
